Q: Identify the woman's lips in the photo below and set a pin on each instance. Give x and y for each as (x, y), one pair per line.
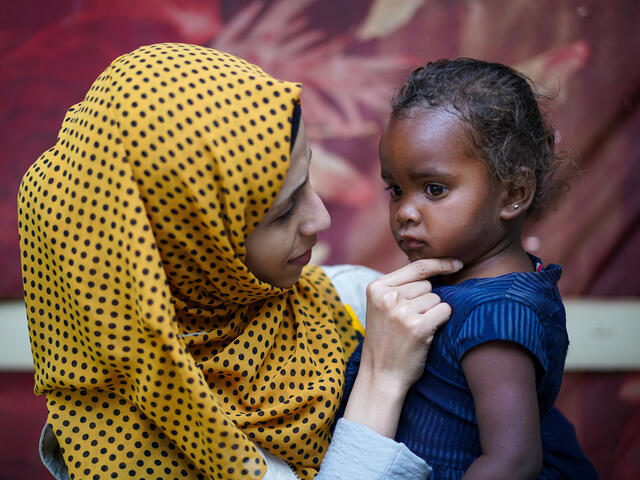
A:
(302, 259)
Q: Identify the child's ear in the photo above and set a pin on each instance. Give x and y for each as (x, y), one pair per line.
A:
(518, 195)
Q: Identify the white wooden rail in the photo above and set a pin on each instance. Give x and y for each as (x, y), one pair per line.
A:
(604, 335)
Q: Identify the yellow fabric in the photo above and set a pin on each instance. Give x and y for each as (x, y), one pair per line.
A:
(160, 354)
(355, 323)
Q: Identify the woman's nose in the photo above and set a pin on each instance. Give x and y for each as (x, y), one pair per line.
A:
(407, 212)
(317, 219)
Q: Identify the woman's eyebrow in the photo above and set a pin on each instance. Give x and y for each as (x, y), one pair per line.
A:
(306, 179)
(281, 203)
(295, 190)
(299, 187)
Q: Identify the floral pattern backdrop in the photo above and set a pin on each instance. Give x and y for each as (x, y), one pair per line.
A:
(351, 56)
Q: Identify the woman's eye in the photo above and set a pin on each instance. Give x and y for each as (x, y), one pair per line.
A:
(290, 211)
(394, 190)
(435, 190)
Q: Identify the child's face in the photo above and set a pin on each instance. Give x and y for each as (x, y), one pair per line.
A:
(443, 202)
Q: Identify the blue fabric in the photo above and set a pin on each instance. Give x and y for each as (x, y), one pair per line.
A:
(562, 455)
(438, 420)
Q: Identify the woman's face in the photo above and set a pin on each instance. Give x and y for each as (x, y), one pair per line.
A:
(281, 244)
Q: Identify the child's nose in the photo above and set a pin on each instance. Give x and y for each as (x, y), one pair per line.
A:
(407, 213)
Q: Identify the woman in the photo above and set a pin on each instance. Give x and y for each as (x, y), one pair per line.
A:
(175, 329)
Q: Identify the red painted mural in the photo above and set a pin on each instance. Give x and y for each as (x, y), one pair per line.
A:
(351, 56)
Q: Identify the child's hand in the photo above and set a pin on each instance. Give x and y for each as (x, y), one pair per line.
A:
(402, 318)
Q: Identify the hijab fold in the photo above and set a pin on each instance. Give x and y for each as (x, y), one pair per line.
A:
(160, 354)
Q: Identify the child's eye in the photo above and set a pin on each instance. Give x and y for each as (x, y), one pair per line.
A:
(435, 190)
(394, 190)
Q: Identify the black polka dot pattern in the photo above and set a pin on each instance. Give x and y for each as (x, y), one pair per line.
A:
(161, 355)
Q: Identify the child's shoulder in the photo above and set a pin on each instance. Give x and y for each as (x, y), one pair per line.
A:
(535, 290)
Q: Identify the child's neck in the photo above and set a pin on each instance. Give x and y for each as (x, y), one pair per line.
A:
(509, 258)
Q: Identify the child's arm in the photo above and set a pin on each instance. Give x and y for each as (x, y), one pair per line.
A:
(502, 379)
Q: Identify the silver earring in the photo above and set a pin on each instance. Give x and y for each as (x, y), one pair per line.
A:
(516, 206)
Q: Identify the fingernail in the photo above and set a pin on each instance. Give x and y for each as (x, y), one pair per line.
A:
(457, 264)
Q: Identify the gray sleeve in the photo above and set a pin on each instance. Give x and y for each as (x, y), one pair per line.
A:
(51, 455)
(358, 453)
(351, 283)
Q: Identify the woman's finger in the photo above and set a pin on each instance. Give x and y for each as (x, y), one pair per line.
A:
(421, 270)
(413, 290)
(433, 319)
(423, 303)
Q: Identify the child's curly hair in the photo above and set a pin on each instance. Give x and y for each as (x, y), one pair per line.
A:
(500, 114)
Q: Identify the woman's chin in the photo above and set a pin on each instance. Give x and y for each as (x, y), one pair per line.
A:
(288, 277)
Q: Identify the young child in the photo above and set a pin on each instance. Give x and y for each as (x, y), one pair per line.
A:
(467, 156)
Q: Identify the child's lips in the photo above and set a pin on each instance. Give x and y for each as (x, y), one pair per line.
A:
(410, 243)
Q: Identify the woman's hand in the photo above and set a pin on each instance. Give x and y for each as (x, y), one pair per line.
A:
(402, 318)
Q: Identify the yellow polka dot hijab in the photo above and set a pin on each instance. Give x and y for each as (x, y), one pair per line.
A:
(160, 354)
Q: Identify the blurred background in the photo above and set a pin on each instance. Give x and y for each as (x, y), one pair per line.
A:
(351, 56)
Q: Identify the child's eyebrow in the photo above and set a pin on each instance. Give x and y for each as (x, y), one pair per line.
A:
(385, 175)
(430, 173)
(419, 174)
